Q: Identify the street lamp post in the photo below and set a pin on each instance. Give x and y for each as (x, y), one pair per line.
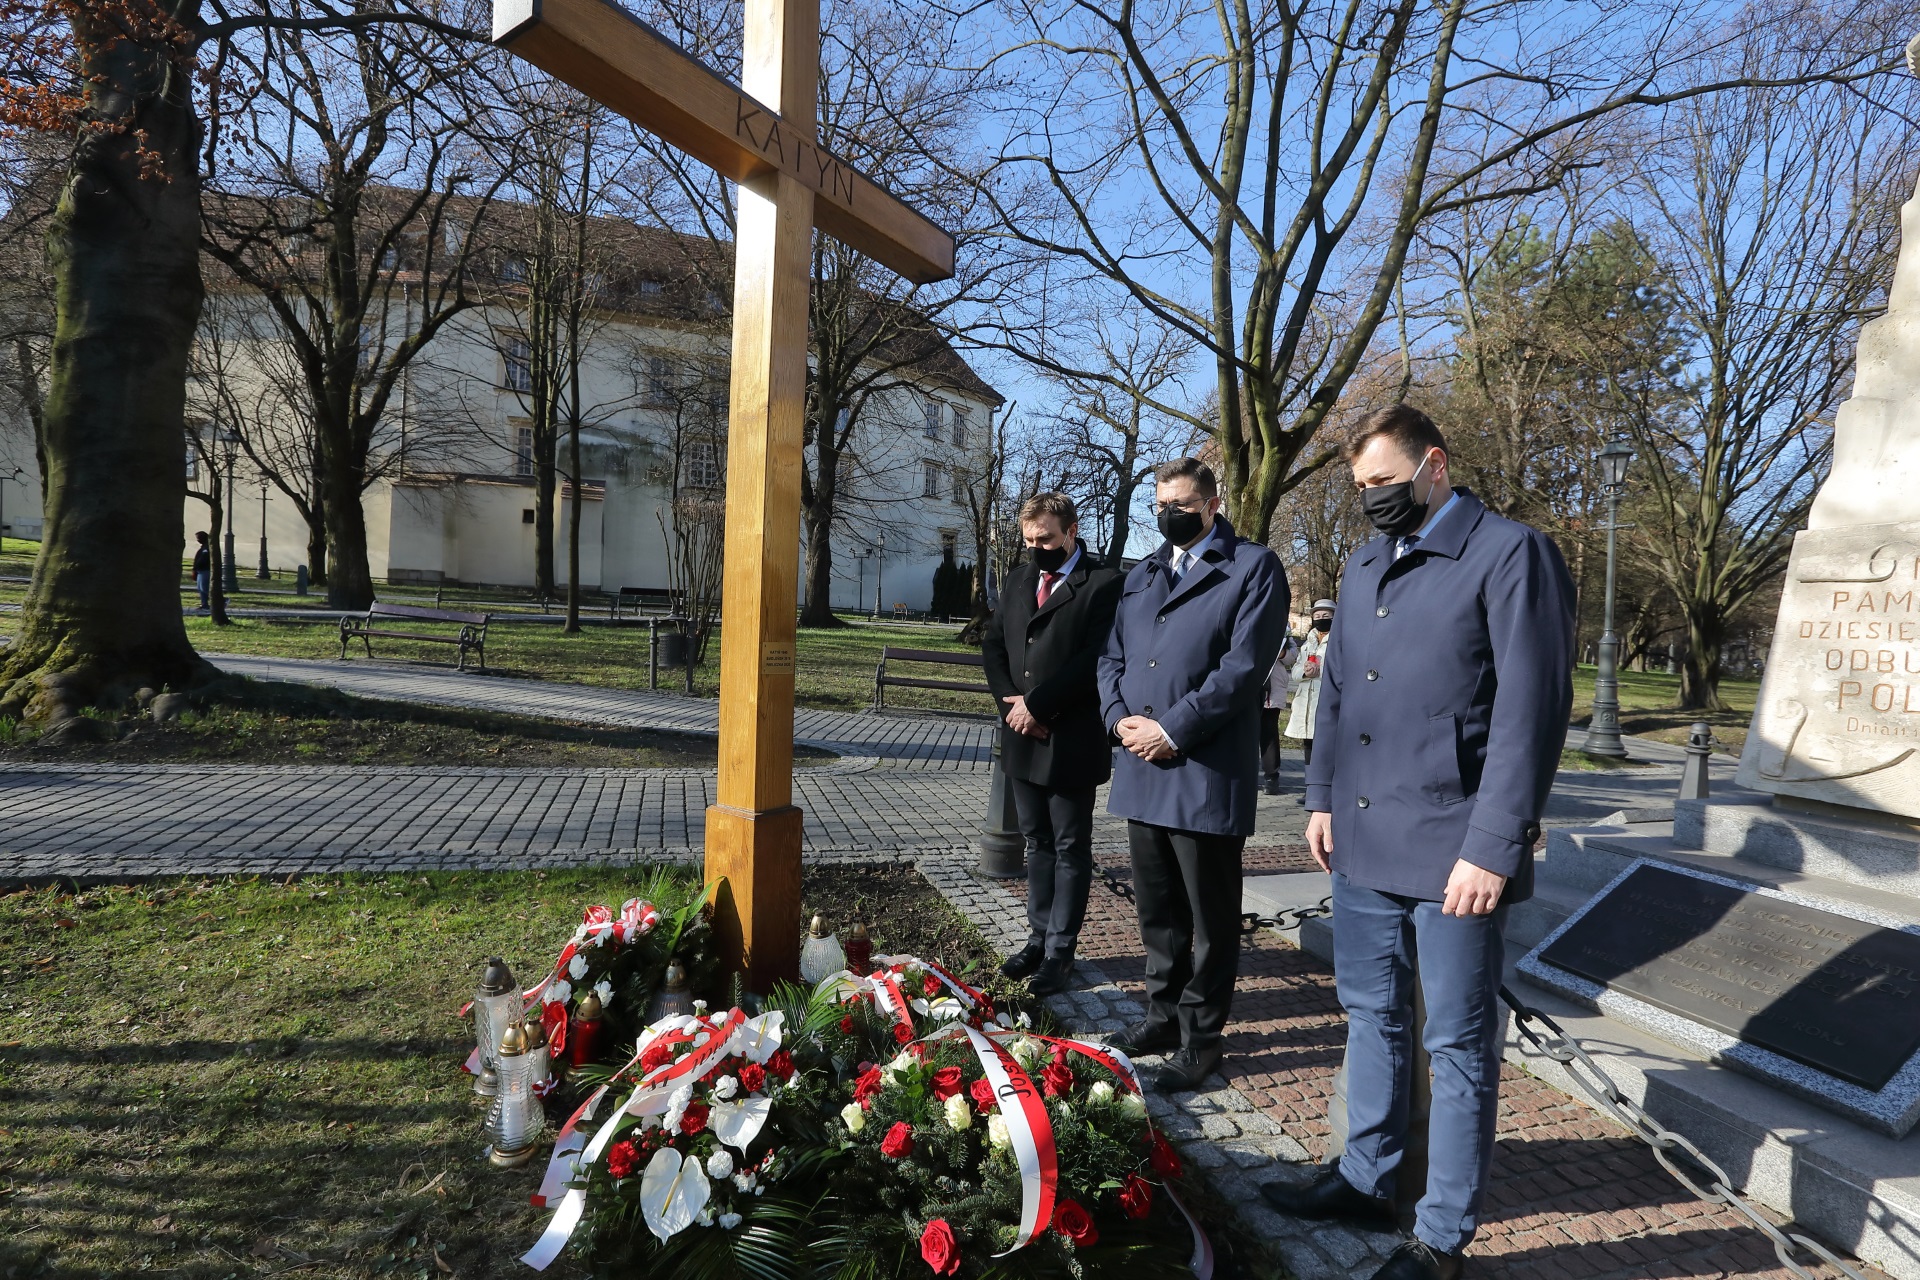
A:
(13, 475)
(860, 558)
(879, 573)
(264, 572)
(1603, 730)
(230, 572)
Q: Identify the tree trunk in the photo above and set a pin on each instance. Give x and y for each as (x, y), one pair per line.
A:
(818, 611)
(1700, 672)
(317, 544)
(216, 566)
(350, 580)
(573, 518)
(102, 617)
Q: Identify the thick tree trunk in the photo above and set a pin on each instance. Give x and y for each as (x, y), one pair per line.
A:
(1700, 672)
(102, 617)
(573, 523)
(818, 610)
(317, 545)
(349, 577)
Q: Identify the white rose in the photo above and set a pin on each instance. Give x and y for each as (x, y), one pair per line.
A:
(1134, 1105)
(728, 1221)
(720, 1164)
(1102, 1091)
(959, 1114)
(725, 1087)
(577, 967)
(997, 1134)
(853, 1117)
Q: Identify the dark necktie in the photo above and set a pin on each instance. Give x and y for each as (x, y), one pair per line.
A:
(1407, 544)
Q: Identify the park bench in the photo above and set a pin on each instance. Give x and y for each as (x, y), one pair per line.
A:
(882, 679)
(633, 599)
(471, 636)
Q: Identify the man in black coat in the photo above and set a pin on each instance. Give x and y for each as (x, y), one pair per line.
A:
(1040, 650)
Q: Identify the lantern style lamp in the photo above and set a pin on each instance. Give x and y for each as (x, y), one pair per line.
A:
(515, 1118)
(859, 949)
(672, 1000)
(583, 1037)
(497, 1004)
(1603, 728)
(820, 954)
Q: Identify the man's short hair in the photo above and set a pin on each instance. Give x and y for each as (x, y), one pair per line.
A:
(1192, 468)
(1411, 431)
(1057, 505)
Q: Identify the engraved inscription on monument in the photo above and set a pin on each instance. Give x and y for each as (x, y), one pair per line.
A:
(1837, 994)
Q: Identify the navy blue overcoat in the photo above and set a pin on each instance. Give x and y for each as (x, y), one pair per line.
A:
(1195, 658)
(1444, 695)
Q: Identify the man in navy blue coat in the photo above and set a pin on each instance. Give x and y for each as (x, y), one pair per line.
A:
(1199, 624)
(1444, 696)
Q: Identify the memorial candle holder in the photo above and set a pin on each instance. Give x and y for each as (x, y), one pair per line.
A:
(497, 1004)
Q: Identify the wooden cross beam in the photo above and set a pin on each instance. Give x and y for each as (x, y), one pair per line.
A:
(762, 135)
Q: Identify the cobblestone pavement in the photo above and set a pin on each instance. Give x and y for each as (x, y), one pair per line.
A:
(1574, 1196)
(905, 741)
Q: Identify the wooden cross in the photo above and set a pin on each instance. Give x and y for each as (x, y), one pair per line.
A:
(763, 136)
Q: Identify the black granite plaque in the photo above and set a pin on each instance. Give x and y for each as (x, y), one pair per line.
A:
(1838, 994)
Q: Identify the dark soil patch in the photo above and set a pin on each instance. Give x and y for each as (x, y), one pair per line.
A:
(905, 916)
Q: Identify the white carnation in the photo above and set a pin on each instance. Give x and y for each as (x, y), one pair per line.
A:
(853, 1117)
(577, 967)
(726, 1086)
(706, 1216)
(699, 1006)
(745, 1181)
(604, 990)
(959, 1114)
(1102, 1091)
(1024, 1020)
(720, 1164)
(728, 1221)
(997, 1134)
(558, 992)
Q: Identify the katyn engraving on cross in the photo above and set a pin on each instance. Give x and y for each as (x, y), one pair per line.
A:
(761, 134)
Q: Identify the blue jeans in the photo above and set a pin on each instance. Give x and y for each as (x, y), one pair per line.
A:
(1375, 939)
(202, 580)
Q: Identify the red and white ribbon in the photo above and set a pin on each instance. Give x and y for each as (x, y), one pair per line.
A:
(1025, 1114)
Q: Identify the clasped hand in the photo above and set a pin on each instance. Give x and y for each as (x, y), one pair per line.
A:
(1021, 720)
(1144, 738)
(1471, 890)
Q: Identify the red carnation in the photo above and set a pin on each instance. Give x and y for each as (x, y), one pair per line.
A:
(945, 1082)
(657, 1054)
(866, 1086)
(695, 1121)
(781, 1064)
(1136, 1198)
(1164, 1159)
(899, 1141)
(1072, 1220)
(621, 1157)
(930, 986)
(1057, 1077)
(983, 1095)
(846, 1025)
(938, 1248)
(753, 1077)
(902, 1032)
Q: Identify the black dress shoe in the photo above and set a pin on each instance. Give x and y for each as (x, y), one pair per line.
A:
(1146, 1036)
(1183, 1072)
(1327, 1195)
(1272, 782)
(1418, 1260)
(1024, 961)
(1054, 974)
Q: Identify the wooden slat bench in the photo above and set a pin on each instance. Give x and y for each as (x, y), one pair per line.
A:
(472, 635)
(881, 678)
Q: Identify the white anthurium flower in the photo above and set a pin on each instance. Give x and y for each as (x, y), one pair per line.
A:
(959, 1112)
(853, 1117)
(919, 1006)
(946, 1009)
(673, 1193)
(997, 1135)
(737, 1124)
(1001, 1019)
(604, 990)
(720, 1164)
(759, 1038)
(726, 1087)
(558, 992)
(1102, 1091)
(728, 1221)
(577, 967)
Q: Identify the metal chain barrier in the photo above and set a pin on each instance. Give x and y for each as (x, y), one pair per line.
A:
(1690, 1166)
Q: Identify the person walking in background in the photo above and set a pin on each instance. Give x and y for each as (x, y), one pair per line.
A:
(1199, 624)
(1306, 676)
(1040, 650)
(1443, 708)
(1273, 701)
(203, 569)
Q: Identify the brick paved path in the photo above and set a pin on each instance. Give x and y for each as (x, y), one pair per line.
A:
(1574, 1197)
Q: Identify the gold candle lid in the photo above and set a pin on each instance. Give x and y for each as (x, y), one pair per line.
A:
(588, 1010)
(858, 931)
(536, 1034)
(514, 1042)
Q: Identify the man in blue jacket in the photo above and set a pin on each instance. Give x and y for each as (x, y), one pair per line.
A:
(1199, 624)
(1444, 696)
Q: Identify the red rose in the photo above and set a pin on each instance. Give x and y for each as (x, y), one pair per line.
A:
(1136, 1197)
(1057, 1077)
(938, 1248)
(983, 1095)
(846, 1025)
(1071, 1220)
(902, 1032)
(899, 1141)
(753, 1077)
(930, 986)
(945, 1082)
(621, 1157)
(695, 1121)
(867, 1085)
(1164, 1159)
(781, 1064)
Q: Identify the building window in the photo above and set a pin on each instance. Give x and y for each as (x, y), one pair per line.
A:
(519, 357)
(959, 488)
(960, 423)
(368, 348)
(649, 288)
(526, 515)
(931, 409)
(930, 482)
(523, 451)
(193, 459)
(513, 270)
(949, 544)
(659, 381)
(717, 388)
(703, 464)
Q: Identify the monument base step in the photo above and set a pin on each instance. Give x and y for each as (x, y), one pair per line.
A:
(1883, 853)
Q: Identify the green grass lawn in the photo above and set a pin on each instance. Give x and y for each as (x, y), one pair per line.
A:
(1646, 707)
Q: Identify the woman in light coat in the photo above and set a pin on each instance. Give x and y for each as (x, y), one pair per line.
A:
(1306, 676)
(1273, 701)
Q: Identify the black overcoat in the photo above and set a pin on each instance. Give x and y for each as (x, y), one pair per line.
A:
(1048, 655)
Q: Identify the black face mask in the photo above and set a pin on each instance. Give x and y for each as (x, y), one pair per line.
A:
(1049, 559)
(1323, 625)
(1391, 508)
(1180, 527)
